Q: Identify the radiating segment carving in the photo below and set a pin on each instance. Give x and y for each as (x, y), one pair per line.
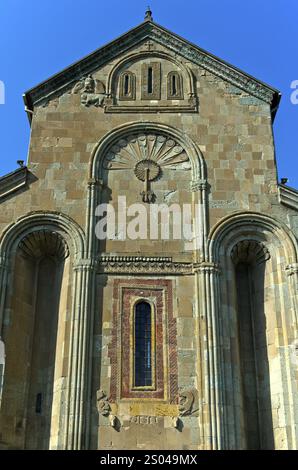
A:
(44, 243)
(158, 148)
(250, 251)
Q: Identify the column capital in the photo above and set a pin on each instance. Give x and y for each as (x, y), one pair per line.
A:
(95, 183)
(206, 267)
(85, 264)
(198, 185)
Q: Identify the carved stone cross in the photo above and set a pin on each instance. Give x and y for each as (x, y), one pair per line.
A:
(150, 45)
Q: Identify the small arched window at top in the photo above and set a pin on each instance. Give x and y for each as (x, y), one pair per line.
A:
(127, 86)
(175, 86)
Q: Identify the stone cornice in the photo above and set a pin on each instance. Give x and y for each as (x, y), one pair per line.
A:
(151, 265)
(288, 196)
(13, 182)
(62, 81)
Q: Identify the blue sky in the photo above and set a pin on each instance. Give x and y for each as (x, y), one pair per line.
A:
(39, 38)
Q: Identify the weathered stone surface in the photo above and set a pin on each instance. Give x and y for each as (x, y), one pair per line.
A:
(67, 307)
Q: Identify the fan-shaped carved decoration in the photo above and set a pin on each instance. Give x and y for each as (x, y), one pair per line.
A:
(157, 148)
(44, 243)
(250, 252)
(147, 169)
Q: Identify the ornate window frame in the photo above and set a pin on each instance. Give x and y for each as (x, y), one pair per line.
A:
(156, 81)
(126, 293)
(179, 86)
(131, 96)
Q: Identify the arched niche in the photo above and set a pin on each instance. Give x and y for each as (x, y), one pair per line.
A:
(256, 325)
(101, 149)
(150, 71)
(37, 253)
(117, 163)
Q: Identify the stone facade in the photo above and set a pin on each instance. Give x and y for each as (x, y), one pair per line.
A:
(225, 321)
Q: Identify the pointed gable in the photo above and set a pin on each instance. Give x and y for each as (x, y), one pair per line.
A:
(150, 31)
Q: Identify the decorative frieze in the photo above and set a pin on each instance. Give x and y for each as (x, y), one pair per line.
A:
(142, 265)
(213, 65)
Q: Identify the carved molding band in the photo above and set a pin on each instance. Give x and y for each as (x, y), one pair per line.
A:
(139, 265)
(213, 65)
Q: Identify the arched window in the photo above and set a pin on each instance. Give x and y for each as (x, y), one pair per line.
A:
(127, 86)
(143, 345)
(175, 89)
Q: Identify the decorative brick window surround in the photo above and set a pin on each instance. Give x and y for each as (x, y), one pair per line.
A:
(159, 293)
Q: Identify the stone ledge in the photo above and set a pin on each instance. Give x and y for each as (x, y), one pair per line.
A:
(288, 196)
(13, 181)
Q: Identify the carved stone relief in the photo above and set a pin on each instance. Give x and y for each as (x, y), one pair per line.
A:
(145, 420)
(127, 153)
(92, 91)
(147, 155)
(188, 402)
(103, 405)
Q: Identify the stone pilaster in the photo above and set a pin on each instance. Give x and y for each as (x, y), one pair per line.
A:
(78, 384)
(212, 395)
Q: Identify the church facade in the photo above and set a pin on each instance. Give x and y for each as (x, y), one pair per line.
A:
(117, 335)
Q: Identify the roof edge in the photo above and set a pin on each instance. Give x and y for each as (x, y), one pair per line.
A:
(192, 52)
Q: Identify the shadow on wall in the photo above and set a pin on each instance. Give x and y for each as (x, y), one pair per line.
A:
(254, 364)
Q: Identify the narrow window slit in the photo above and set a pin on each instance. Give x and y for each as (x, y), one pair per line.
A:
(126, 85)
(38, 403)
(174, 85)
(150, 80)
